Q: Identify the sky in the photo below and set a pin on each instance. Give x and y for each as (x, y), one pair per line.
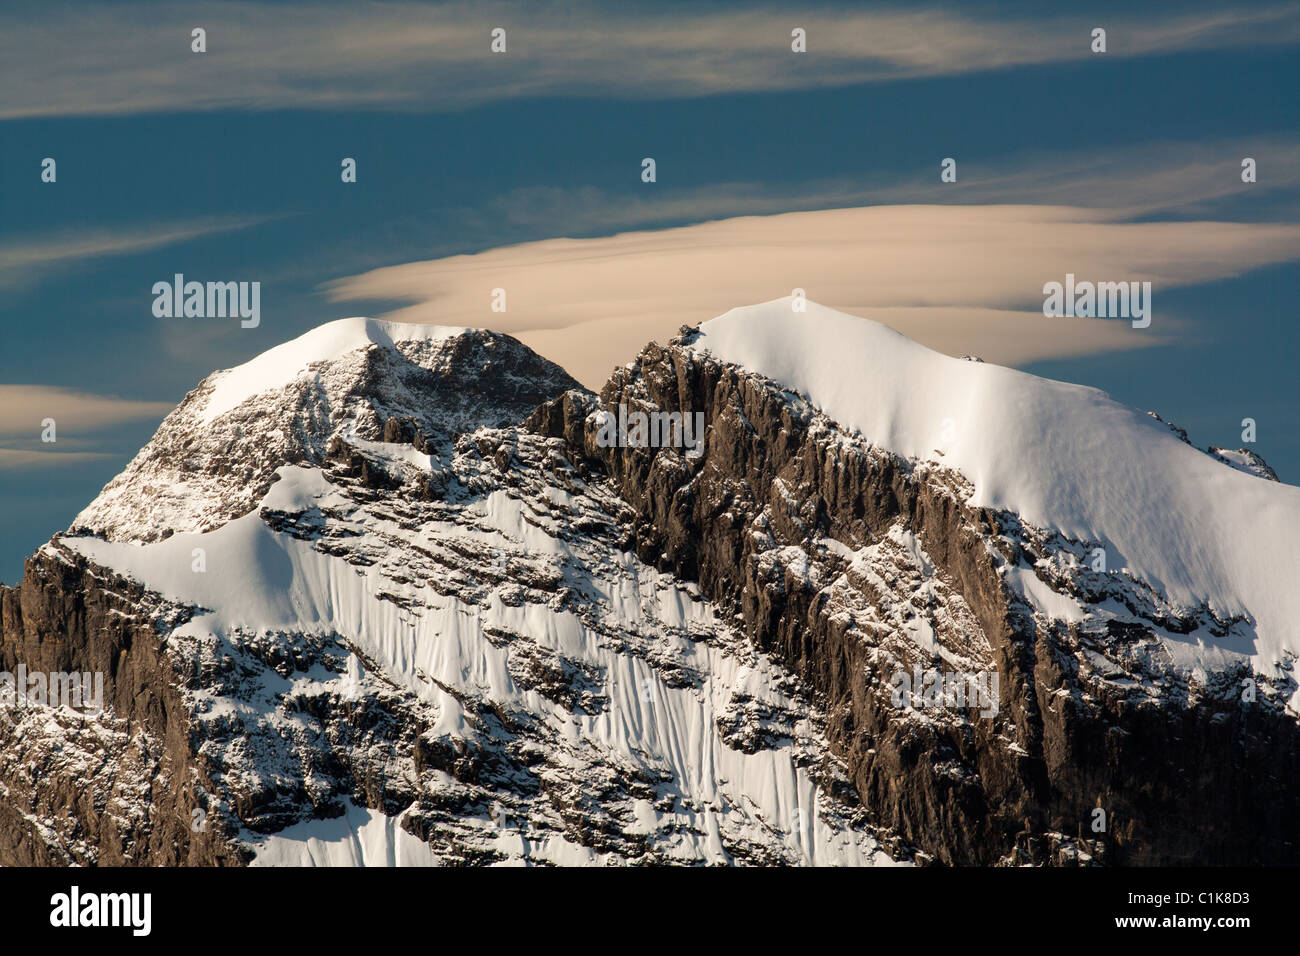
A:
(522, 170)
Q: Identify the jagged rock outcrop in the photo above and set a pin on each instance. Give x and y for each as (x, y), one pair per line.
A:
(123, 786)
(1243, 459)
(815, 539)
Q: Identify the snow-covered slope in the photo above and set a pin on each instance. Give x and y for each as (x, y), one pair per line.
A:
(424, 602)
(1063, 457)
(482, 664)
(279, 366)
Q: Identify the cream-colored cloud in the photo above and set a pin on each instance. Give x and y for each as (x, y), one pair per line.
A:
(85, 58)
(23, 408)
(958, 278)
(29, 458)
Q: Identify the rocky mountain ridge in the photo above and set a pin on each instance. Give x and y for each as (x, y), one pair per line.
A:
(430, 596)
(850, 565)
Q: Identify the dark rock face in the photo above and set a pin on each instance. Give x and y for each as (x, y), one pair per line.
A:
(145, 783)
(1183, 776)
(72, 786)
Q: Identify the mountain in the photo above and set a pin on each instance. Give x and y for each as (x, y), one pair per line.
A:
(215, 456)
(387, 595)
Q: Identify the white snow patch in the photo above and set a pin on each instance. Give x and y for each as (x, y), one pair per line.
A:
(279, 366)
(1041, 597)
(1062, 456)
(360, 837)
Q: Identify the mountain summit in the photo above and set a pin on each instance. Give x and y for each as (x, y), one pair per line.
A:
(386, 594)
(1218, 544)
(214, 457)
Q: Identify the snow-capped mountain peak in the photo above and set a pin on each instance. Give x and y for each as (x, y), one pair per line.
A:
(215, 455)
(1064, 457)
(385, 593)
(277, 367)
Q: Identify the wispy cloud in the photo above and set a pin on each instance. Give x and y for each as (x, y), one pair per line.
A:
(1177, 178)
(958, 278)
(23, 261)
(22, 407)
(28, 458)
(1139, 180)
(77, 417)
(135, 57)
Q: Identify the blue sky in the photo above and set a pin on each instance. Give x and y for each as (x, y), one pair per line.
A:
(233, 173)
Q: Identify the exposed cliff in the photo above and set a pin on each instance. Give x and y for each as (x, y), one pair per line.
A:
(121, 786)
(853, 564)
